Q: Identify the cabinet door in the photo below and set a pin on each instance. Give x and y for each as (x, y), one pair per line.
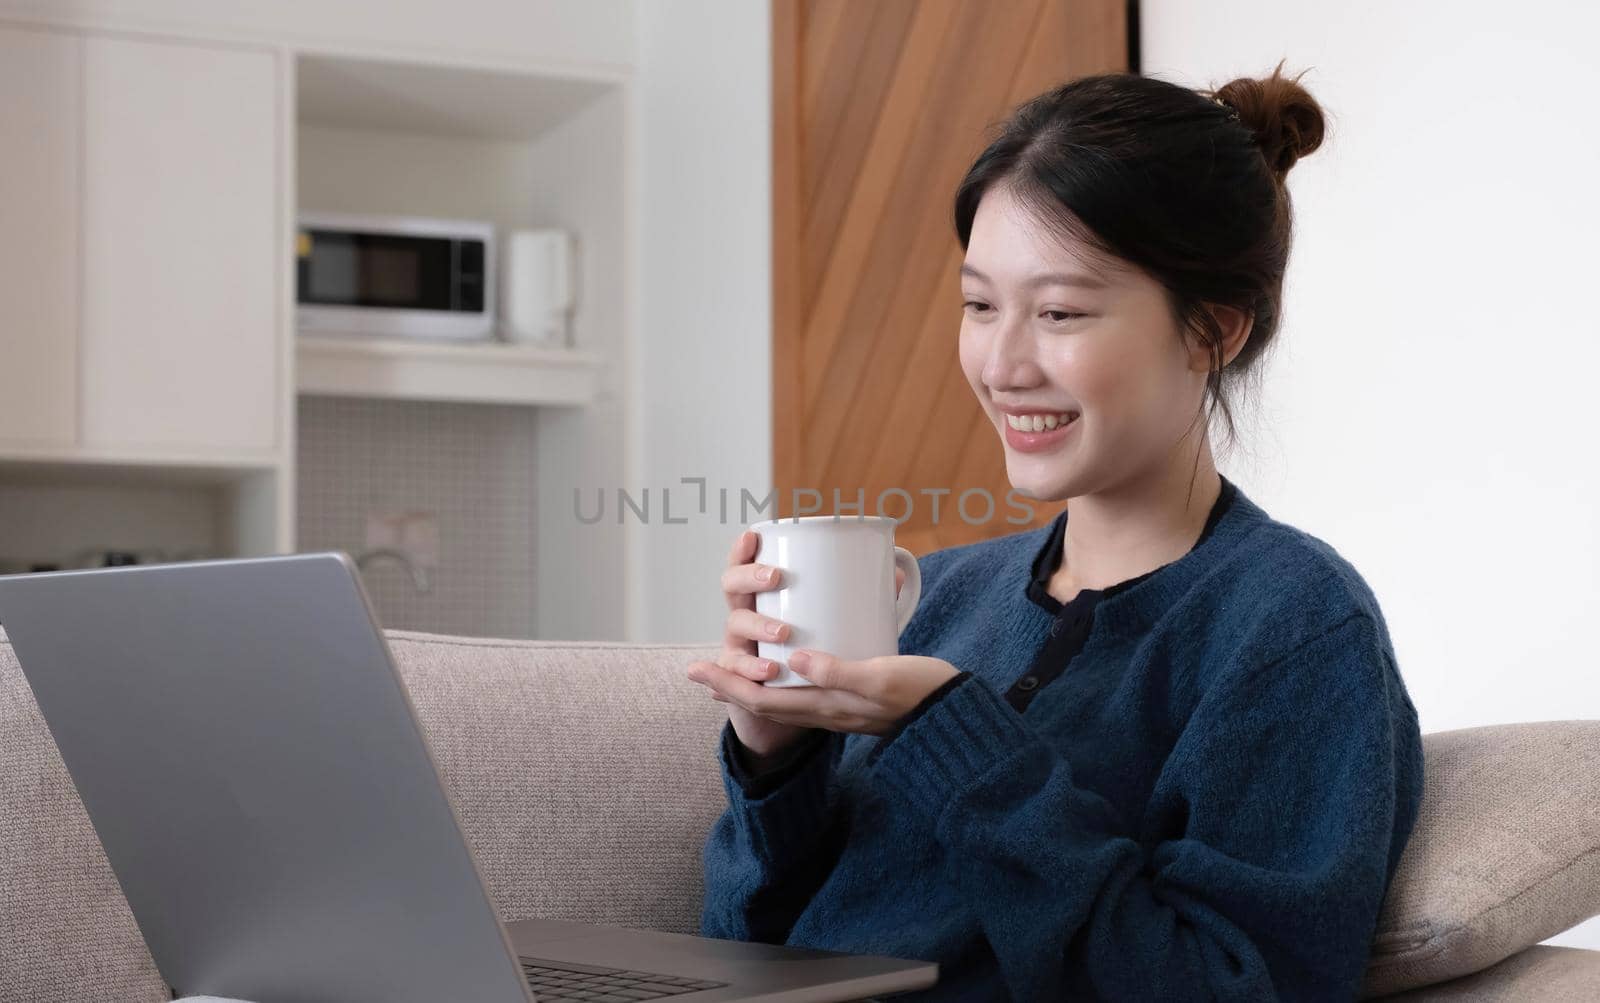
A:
(181, 321)
(39, 121)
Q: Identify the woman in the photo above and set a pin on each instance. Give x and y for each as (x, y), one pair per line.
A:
(1159, 749)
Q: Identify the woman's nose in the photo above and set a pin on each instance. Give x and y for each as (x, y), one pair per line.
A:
(1011, 364)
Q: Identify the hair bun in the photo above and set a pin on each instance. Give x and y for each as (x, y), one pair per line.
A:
(1285, 119)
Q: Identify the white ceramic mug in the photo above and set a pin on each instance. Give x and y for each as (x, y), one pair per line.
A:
(837, 591)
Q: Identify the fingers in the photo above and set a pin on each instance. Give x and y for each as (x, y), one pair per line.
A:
(782, 704)
(745, 627)
(744, 547)
(744, 579)
(835, 673)
(808, 706)
(750, 695)
(748, 665)
(743, 552)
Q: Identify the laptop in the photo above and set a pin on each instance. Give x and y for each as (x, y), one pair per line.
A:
(256, 774)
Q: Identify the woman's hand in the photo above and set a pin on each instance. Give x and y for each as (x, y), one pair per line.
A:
(741, 580)
(764, 736)
(867, 696)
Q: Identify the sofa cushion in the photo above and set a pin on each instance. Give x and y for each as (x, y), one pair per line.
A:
(1505, 853)
(585, 775)
(1546, 974)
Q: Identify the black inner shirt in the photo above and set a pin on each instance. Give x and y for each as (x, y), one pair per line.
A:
(1074, 619)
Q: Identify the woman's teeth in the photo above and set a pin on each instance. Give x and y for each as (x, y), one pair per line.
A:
(1038, 422)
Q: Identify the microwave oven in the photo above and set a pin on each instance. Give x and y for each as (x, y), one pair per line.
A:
(396, 276)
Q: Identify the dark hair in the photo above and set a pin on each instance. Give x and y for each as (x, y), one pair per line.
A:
(1188, 185)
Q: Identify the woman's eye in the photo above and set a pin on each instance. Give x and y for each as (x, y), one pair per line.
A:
(975, 305)
(1061, 316)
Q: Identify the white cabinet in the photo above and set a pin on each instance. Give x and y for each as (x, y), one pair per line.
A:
(141, 270)
(181, 323)
(39, 216)
(144, 342)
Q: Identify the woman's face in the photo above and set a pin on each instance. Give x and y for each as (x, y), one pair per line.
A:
(1051, 332)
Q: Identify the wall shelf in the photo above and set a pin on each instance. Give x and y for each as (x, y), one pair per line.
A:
(481, 372)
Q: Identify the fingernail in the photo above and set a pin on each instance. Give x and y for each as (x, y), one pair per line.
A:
(774, 629)
(800, 661)
(767, 574)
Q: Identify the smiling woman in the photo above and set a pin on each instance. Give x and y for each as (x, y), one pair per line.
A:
(1158, 749)
(1150, 225)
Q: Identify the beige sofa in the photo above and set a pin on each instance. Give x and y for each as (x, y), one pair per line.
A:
(586, 780)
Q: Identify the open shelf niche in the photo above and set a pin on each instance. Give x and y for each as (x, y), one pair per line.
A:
(57, 515)
(518, 149)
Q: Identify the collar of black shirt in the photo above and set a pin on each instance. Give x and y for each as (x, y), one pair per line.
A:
(1048, 559)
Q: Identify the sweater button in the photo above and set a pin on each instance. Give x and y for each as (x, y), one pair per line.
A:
(1028, 682)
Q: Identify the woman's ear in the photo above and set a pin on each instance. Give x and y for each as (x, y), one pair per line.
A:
(1234, 325)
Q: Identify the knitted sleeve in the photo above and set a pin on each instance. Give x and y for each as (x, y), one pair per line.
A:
(782, 833)
(770, 850)
(758, 782)
(1289, 795)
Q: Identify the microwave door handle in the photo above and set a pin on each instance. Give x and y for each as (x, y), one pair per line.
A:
(455, 276)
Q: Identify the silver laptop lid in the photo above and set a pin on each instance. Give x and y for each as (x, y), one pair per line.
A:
(258, 779)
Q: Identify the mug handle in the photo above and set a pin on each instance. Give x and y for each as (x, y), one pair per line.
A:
(911, 591)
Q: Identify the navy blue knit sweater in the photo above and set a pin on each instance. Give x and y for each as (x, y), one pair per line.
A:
(1207, 804)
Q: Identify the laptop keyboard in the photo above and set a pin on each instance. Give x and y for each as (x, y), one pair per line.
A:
(555, 981)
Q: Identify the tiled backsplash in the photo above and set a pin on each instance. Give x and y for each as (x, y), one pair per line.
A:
(472, 465)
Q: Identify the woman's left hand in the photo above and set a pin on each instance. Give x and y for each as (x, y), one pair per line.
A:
(866, 696)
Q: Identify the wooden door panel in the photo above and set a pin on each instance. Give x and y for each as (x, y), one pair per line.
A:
(879, 107)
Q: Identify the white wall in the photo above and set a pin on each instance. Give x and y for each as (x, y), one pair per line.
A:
(1430, 411)
(704, 321)
(585, 446)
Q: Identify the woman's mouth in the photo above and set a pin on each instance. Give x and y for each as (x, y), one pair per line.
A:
(1039, 431)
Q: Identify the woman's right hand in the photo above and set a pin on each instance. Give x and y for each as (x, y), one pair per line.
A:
(741, 580)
